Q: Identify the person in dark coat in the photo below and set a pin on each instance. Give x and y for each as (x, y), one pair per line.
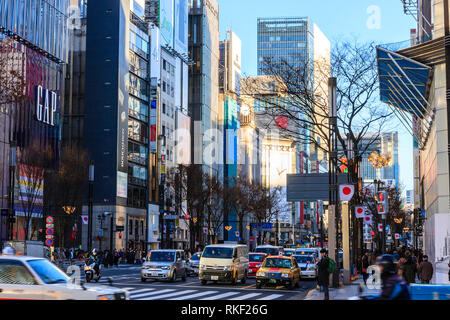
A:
(365, 265)
(324, 276)
(425, 270)
(409, 269)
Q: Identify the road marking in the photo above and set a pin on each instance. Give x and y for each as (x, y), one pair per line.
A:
(250, 286)
(221, 296)
(271, 297)
(173, 294)
(190, 296)
(128, 288)
(141, 290)
(150, 293)
(246, 296)
(186, 284)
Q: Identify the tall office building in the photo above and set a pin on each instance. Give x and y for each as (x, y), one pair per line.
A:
(204, 83)
(34, 53)
(296, 43)
(116, 122)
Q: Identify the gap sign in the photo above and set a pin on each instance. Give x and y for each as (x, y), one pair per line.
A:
(46, 102)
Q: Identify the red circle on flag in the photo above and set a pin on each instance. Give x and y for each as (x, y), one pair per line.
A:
(367, 218)
(346, 191)
(85, 219)
(359, 210)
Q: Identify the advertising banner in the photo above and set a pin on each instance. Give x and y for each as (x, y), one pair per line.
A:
(181, 25)
(166, 22)
(183, 139)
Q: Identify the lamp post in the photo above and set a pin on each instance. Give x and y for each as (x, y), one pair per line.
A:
(91, 194)
(12, 172)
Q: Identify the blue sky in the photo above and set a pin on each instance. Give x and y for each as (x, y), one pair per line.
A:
(337, 19)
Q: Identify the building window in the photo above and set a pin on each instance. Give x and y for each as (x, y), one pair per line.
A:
(131, 226)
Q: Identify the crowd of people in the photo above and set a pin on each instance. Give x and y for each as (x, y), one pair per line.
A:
(412, 264)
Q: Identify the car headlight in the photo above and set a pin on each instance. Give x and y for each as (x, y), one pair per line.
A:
(285, 275)
(165, 268)
(105, 297)
(260, 274)
(227, 268)
(258, 266)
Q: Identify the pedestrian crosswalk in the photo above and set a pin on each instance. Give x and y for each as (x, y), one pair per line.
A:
(198, 294)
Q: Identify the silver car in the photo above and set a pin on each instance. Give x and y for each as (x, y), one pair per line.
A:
(164, 265)
(194, 263)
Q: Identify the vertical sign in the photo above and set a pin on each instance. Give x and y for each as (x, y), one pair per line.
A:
(416, 164)
(181, 25)
(166, 21)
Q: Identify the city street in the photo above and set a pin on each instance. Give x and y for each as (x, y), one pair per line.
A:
(128, 277)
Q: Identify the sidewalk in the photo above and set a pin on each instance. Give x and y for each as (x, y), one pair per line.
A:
(342, 293)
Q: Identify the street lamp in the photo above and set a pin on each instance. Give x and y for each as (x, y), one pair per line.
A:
(12, 172)
(91, 193)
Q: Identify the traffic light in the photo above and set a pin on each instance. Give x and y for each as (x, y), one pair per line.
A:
(382, 202)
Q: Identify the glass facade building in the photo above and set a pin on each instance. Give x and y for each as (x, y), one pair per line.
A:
(284, 39)
(34, 45)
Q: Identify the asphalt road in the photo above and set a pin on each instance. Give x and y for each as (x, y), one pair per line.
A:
(128, 277)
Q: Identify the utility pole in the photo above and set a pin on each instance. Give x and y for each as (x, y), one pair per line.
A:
(277, 229)
(90, 209)
(12, 173)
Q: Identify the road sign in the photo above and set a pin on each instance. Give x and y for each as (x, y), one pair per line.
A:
(49, 242)
(49, 232)
(84, 219)
(48, 225)
(49, 237)
(397, 236)
(49, 220)
(310, 186)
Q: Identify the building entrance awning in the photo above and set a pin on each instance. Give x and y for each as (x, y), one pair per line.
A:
(404, 86)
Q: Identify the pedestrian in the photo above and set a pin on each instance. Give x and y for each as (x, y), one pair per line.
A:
(364, 266)
(394, 287)
(409, 269)
(324, 276)
(425, 270)
(116, 258)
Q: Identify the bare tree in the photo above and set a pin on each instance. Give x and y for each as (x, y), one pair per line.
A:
(65, 188)
(33, 161)
(12, 81)
(215, 208)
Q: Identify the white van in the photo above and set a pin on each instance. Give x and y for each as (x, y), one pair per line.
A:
(224, 262)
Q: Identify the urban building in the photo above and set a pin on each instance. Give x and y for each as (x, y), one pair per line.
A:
(33, 58)
(116, 122)
(425, 113)
(204, 83)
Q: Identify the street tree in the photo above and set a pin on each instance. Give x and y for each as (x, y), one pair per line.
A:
(33, 161)
(12, 80)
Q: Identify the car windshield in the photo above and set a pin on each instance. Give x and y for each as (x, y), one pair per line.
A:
(196, 256)
(47, 271)
(277, 263)
(305, 252)
(271, 251)
(217, 252)
(303, 259)
(288, 252)
(256, 257)
(162, 256)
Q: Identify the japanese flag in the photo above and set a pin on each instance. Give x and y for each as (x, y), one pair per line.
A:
(368, 219)
(397, 236)
(380, 227)
(359, 211)
(346, 192)
(84, 219)
(205, 230)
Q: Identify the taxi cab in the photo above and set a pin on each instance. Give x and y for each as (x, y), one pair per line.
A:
(278, 270)
(31, 278)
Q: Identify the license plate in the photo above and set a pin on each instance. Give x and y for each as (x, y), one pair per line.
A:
(272, 281)
(214, 277)
(154, 273)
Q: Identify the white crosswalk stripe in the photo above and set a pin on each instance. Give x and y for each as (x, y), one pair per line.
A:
(140, 291)
(167, 295)
(132, 296)
(271, 297)
(221, 296)
(246, 296)
(196, 295)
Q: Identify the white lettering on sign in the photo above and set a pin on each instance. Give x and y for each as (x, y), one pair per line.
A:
(46, 101)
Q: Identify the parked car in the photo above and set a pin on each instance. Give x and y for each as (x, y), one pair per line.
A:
(193, 264)
(308, 266)
(224, 262)
(164, 265)
(278, 270)
(31, 278)
(254, 261)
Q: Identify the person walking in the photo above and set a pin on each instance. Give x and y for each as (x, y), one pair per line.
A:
(364, 266)
(425, 270)
(409, 269)
(324, 276)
